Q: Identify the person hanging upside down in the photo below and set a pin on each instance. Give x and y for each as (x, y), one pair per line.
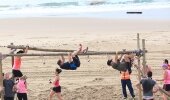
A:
(122, 63)
(73, 59)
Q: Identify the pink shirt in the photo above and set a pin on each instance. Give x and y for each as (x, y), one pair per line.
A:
(56, 84)
(21, 87)
(167, 80)
(17, 63)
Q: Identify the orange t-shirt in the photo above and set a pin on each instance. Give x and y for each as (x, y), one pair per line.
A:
(125, 75)
(17, 63)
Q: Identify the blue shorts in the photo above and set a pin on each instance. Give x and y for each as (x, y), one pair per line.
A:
(73, 66)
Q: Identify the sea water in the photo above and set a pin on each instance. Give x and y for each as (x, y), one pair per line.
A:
(85, 8)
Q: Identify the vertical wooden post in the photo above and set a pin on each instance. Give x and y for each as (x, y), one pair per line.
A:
(12, 58)
(144, 57)
(1, 77)
(139, 75)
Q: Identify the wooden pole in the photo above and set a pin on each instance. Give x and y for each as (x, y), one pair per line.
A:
(88, 53)
(1, 77)
(139, 74)
(40, 49)
(12, 57)
(163, 91)
(144, 57)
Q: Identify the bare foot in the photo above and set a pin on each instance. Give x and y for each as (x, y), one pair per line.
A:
(85, 50)
(80, 47)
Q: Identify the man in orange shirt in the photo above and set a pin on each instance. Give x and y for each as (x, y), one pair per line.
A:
(125, 77)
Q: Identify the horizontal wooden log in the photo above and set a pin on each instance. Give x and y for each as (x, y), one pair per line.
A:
(88, 53)
(11, 52)
(38, 49)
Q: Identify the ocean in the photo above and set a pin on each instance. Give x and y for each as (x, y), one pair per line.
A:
(85, 8)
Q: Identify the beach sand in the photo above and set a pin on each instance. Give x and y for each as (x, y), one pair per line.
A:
(94, 80)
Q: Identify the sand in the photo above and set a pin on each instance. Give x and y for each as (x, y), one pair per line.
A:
(94, 80)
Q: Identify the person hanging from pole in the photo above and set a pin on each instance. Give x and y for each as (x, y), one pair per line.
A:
(17, 64)
(73, 60)
(121, 63)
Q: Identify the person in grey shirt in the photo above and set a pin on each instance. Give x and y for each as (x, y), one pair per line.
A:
(8, 84)
(121, 63)
(148, 87)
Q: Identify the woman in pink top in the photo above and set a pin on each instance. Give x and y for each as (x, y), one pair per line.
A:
(17, 64)
(56, 86)
(166, 78)
(22, 88)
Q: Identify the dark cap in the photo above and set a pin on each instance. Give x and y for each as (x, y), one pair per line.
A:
(21, 51)
(58, 70)
(59, 62)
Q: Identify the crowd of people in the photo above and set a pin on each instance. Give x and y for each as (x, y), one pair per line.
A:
(149, 85)
(16, 83)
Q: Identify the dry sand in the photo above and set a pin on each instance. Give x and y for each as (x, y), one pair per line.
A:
(94, 80)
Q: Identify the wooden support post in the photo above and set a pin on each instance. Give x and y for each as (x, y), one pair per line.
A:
(1, 77)
(144, 57)
(12, 58)
(139, 74)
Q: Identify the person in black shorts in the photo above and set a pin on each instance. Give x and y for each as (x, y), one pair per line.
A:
(73, 59)
(17, 64)
(166, 79)
(56, 89)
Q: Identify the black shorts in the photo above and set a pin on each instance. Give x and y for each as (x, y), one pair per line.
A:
(166, 87)
(22, 96)
(17, 73)
(76, 60)
(57, 89)
(8, 98)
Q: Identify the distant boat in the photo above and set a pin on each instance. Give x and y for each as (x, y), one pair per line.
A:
(134, 12)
